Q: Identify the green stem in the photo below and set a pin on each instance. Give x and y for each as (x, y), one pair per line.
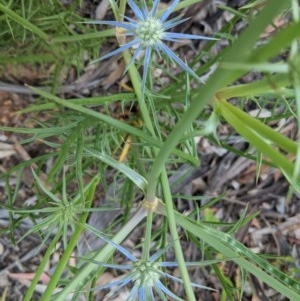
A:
(63, 262)
(175, 238)
(122, 8)
(239, 52)
(136, 83)
(41, 267)
(147, 240)
(102, 256)
(170, 144)
(294, 74)
(72, 244)
(134, 75)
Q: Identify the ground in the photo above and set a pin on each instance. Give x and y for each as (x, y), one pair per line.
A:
(275, 230)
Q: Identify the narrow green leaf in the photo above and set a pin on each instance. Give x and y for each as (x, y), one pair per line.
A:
(262, 67)
(89, 195)
(38, 32)
(115, 123)
(89, 101)
(82, 37)
(274, 84)
(245, 120)
(136, 178)
(244, 257)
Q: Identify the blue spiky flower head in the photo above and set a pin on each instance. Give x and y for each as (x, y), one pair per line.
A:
(148, 32)
(145, 276)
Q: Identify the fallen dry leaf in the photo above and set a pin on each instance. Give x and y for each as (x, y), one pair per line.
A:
(6, 150)
(29, 276)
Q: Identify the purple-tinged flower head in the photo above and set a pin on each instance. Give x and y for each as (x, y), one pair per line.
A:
(146, 277)
(148, 33)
